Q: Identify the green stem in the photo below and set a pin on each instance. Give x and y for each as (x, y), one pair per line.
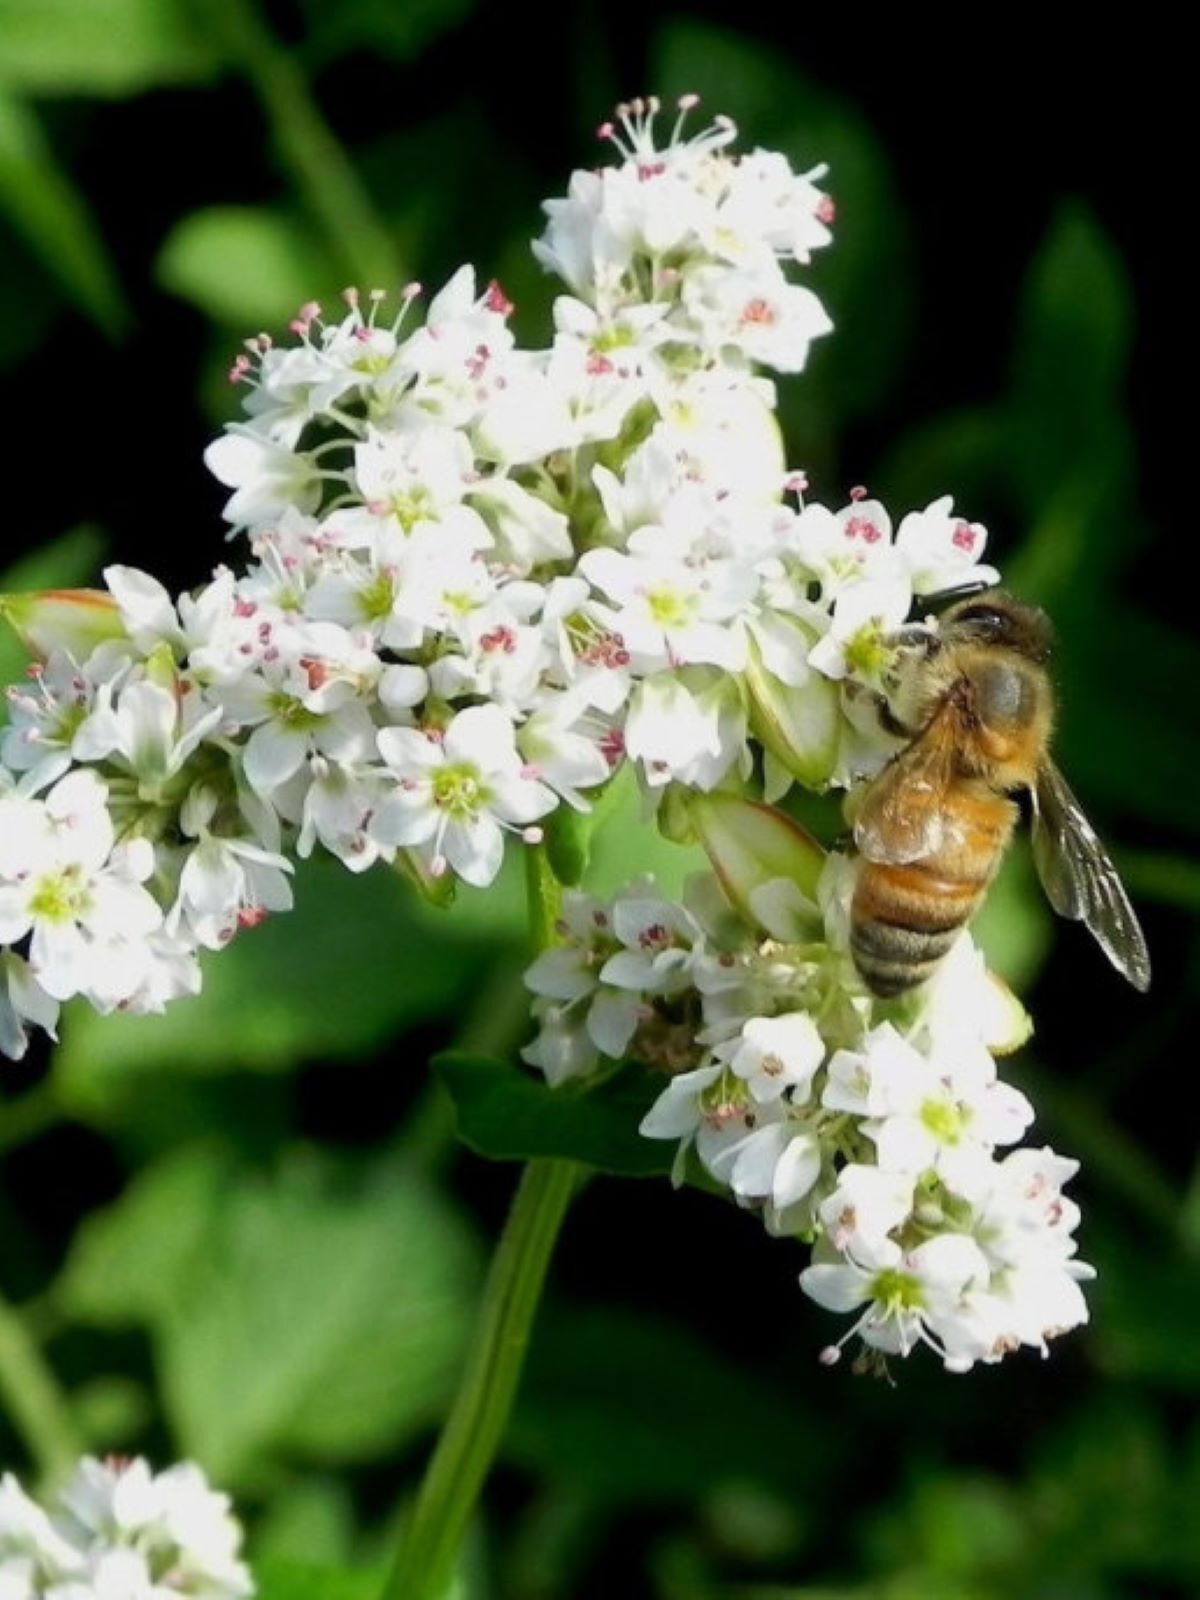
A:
(472, 1433)
(477, 1419)
(325, 176)
(33, 1400)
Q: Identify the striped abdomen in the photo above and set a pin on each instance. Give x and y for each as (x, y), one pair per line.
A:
(904, 918)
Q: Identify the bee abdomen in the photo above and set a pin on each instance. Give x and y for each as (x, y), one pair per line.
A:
(903, 922)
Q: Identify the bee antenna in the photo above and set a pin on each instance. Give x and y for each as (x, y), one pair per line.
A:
(942, 598)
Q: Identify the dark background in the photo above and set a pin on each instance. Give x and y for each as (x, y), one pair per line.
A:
(1013, 298)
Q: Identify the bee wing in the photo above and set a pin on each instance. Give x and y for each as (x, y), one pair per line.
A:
(1079, 878)
(902, 816)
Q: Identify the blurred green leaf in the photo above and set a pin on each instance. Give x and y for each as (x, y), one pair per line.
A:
(1144, 1316)
(507, 1114)
(316, 1312)
(639, 1409)
(101, 47)
(1014, 925)
(1070, 358)
(290, 1580)
(358, 960)
(382, 27)
(244, 267)
(65, 563)
(23, 284)
(310, 1519)
(45, 208)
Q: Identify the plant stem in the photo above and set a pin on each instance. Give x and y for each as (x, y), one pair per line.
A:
(326, 177)
(475, 1426)
(472, 1433)
(34, 1401)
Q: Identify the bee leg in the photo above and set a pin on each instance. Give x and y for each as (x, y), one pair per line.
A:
(881, 706)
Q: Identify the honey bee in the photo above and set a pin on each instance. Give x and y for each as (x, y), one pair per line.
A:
(975, 701)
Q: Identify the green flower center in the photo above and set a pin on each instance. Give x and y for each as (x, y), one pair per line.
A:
(947, 1123)
(668, 608)
(459, 789)
(866, 653)
(60, 897)
(377, 597)
(897, 1291)
(294, 714)
(412, 506)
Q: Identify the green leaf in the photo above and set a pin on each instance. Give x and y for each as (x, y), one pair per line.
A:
(66, 562)
(244, 267)
(316, 1311)
(507, 1114)
(291, 1580)
(662, 1415)
(396, 32)
(357, 961)
(45, 208)
(101, 47)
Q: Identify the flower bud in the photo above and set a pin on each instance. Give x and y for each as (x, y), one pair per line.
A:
(799, 724)
(73, 620)
(752, 845)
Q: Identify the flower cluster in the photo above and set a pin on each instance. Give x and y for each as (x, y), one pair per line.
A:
(479, 579)
(876, 1130)
(119, 1529)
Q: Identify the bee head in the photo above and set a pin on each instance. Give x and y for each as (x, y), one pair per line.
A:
(995, 618)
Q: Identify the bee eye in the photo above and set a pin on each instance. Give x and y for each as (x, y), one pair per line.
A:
(984, 617)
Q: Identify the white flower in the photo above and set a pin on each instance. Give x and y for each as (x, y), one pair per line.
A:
(122, 1532)
(454, 794)
(858, 643)
(267, 478)
(559, 752)
(909, 1296)
(758, 313)
(774, 1054)
(23, 1001)
(867, 1205)
(942, 551)
(79, 898)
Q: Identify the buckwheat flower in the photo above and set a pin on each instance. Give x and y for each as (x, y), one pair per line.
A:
(668, 730)
(526, 532)
(119, 1532)
(339, 802)
(564, 750)
(569, 974)
(455, 793)
(707, 1108)
(267, 478)
(774, 1054)
(844, 547)
(868, 1204)
(775, 1165)
(659, 938)
(907, 1295)
(586, 652)
(79, 897)
(147, 730)
(941, 551)
(758, 314)
(670, 613)
(308, 695)
(767, 204)
(225, 882)
(928, 1108)
(24, 1004)
(857, 644)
